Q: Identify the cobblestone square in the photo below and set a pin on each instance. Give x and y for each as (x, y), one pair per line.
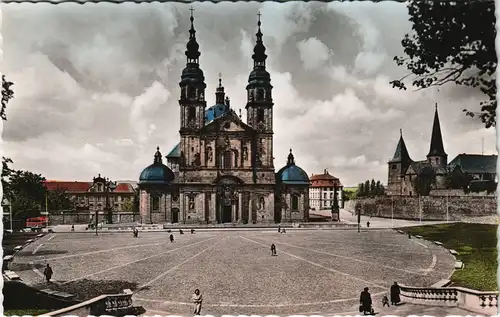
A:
(314, 270)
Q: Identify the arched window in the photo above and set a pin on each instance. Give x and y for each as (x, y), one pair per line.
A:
(191, 113)
(295, 202)
(260, 115)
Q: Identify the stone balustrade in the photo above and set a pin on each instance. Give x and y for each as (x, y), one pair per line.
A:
(117, 304)
(485, 303)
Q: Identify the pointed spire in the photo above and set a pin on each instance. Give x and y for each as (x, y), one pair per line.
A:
(437, 147)
(192, 47)
(219, 93)
(259, 50)
(158, 159)
(401, 154)
(291, 159)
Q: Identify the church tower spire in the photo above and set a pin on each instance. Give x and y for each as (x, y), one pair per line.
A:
(260, 102)
(437, 156)
(219, 93)
(192, 101)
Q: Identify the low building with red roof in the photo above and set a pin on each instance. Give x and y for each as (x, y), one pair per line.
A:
(91, 196)
(322, 189)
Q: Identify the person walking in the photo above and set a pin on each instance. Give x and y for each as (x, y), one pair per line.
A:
(365, 302)
(171, 238)
(48, 273)
(197, 300)
(395, 294)
(273, 250)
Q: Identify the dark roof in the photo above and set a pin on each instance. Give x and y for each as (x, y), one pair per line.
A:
(475, 163)
(437, 147)
(156, 173)
(401, 155)
(175, 152)
(79, 187)
(292, 174)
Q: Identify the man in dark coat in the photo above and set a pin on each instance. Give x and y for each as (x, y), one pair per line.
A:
(171, 238)
(48, 273)
(365, 301)
(395, 292)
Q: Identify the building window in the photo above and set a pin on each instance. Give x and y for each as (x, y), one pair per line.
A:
(260, 115)
(331, 195)
(227, 159)
(191, 113)
(324, 195)
(394, 166)
(295, 202)
(437, 160)
(260, 94)
(155, 202)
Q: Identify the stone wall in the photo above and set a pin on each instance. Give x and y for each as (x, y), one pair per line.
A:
(428, 208)
(86, 217)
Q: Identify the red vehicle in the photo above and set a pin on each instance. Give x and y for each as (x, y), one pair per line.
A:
(37, 222)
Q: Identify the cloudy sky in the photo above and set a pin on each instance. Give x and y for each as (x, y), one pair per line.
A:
(97, 85)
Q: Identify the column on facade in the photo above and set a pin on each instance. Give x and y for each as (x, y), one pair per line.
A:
(182, 206)
(250, 210)
(213, 207)
(168, 207)
(240, 206)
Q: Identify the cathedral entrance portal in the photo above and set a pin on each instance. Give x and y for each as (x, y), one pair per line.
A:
(226, 213)
(175, 215)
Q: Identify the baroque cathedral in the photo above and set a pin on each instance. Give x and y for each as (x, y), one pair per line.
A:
(222, 170)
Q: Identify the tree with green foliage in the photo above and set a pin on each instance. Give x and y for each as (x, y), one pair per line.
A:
(26, 194)
(452, 42)
(59, 199)
(373, 188)
(367, 188)
(424, 180)
(361, 190)
(7, 95)
(128, 205)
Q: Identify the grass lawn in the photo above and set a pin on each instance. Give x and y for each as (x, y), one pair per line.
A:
(476, 245)
(23, 312)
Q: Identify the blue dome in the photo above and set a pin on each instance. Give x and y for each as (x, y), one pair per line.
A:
(156, 173)
(292, 174)
(215, 112)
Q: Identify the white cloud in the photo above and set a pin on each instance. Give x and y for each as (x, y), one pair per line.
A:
(97, 86)
(313, 53)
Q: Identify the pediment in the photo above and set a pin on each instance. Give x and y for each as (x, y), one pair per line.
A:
(227, 123)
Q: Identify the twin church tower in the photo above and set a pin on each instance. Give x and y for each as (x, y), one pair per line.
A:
(222, 170)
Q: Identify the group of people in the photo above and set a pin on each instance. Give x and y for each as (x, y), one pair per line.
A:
(365, 299)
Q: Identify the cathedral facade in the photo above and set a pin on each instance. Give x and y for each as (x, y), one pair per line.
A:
(222, 170)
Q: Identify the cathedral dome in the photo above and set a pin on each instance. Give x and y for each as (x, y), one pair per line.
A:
(292, 174)
(216, 111)
(156, 173)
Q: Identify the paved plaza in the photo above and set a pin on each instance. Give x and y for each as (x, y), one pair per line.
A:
(315, 271)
